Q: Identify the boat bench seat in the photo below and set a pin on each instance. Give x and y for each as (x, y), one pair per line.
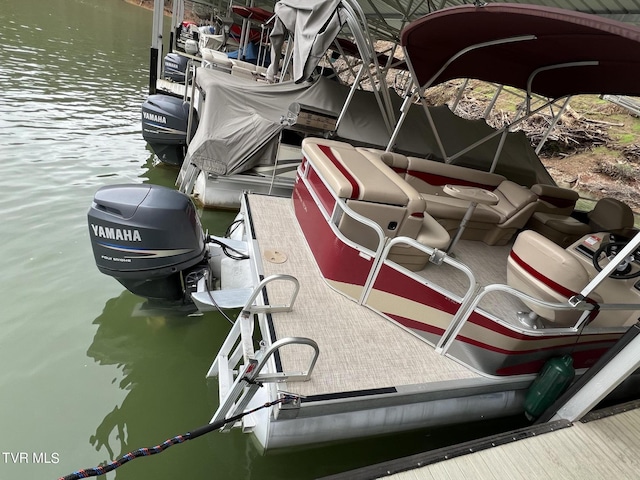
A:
(494, 225)
(247, 70)
(430, 176)
(373, 190)
(214, 59)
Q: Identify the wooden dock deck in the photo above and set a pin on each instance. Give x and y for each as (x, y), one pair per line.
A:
(603, 445)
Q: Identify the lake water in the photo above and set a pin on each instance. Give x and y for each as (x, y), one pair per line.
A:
(83, 379)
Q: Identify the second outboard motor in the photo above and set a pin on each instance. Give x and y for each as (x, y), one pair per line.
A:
(175, 67)
(149, 238)
(164, 127)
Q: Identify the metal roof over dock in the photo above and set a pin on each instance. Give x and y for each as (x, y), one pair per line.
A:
(387, 18)
(397, 13)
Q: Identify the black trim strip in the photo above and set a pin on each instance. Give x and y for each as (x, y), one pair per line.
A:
(249, 216)
(446, 453)
(350, 394)
(609, 411)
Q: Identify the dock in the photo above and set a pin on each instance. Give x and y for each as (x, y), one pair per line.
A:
(171, 88)
(602, 445)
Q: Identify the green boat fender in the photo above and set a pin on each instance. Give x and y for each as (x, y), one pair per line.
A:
(553, 380)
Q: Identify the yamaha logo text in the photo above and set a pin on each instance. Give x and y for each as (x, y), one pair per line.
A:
(111, 233)
(152, 117)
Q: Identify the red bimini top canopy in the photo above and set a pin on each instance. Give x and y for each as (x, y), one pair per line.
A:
(256, 14)
(548, 51)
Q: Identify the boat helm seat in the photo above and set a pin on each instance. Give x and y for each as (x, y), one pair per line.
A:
(609, 215)
(539, 267)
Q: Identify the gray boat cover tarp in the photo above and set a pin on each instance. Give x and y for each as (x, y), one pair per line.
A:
(240, 126)
(314, 25)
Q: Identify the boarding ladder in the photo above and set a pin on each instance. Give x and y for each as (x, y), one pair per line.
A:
(187, 177)
(239, 367)
(189, 172)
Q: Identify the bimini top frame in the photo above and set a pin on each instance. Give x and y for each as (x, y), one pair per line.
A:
(545, 51)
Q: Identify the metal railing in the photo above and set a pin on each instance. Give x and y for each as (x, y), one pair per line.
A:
(240, 369)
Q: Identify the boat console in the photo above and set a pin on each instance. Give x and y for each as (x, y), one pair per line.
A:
(543, 269)
(595, 251)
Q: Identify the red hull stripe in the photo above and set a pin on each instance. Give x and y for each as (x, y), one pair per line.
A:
(355, 189)
(415, 325)
(564, 291)
(493, 348)
(396, 283)
(330, 252)
(326, 199)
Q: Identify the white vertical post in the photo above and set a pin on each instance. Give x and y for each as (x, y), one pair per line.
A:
(156, 45)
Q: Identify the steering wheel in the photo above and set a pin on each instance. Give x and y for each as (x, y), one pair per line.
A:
(611, 249)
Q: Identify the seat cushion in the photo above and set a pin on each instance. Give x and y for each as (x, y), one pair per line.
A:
(442, 206)
(610, 214)
(513, 198)
(561, 223)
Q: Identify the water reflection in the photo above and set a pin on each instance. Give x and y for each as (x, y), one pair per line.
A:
(157, 172)
(162, 360)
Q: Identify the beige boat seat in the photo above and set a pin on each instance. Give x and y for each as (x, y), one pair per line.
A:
(216, 59)
(494, 225)
(539, 267)
(491, 224)
(430, 176)
(610, 214)
(421, 226)
(552, 217)
(395, 161)
(375, 191)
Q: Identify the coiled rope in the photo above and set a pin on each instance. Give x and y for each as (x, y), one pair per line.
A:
(144, 452)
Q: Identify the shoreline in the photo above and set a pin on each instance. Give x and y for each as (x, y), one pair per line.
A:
(148, 5)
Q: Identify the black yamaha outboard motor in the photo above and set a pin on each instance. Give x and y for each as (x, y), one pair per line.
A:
(164, 127)
(175, 67)
(149, 238)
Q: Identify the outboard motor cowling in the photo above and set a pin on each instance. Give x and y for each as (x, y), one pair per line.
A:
(175, 67)
(164, 127)
(147, 237)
